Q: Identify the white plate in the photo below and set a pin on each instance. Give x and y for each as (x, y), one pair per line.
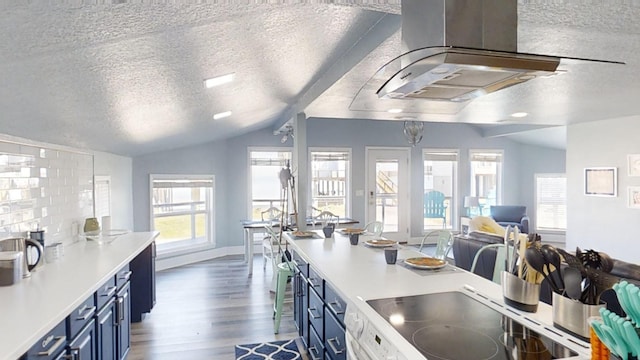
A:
(380, 243)
(416, 263)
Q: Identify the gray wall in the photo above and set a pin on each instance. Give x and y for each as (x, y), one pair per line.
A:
(119, 168)
(227, 160)
(536, 160)
(602, 223)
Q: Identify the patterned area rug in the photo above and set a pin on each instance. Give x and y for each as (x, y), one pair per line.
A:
(276, 350)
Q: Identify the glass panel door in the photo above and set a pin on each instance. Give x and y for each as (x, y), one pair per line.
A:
(387, 182)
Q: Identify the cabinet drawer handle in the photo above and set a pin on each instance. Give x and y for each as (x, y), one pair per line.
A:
(60, 340)
(110, 292)
(311, 282)
(120, 311)
(311, 310)
(333, 347)
(313, 350)
(125, 276)
(89, 311)
(337, 309)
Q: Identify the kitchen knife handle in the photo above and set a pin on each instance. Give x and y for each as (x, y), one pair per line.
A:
(333, 347)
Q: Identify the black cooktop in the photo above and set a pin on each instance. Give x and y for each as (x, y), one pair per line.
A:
(454, 326)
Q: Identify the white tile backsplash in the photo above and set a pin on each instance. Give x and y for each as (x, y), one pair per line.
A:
(46, 188)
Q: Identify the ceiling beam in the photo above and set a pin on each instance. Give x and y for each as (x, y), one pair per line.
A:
(386, 26)
(505, 130)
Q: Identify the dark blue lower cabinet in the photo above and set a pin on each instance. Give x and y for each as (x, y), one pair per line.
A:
(84, 345)
(334, 337)
(123, 321)
(106, 331)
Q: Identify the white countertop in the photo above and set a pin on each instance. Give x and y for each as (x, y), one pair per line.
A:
(360, 273)
(34, 306)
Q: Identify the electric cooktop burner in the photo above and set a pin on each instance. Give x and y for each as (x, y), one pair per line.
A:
(453, 326)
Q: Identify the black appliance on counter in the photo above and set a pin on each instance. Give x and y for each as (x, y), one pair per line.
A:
(454, 326)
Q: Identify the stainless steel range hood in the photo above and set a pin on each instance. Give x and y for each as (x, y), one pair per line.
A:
(457, 50)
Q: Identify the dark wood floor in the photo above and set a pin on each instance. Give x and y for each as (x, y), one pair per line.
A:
(202, 310)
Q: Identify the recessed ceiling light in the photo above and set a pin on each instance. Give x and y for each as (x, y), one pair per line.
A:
(519, 114)
(394, 111)
(221, 115)
(219, 80)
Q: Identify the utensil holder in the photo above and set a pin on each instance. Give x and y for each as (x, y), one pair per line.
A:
(520, 294)
(571, 315)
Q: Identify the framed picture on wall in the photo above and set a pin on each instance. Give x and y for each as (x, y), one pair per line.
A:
(601, 181)
(633, 164)
(633, 197)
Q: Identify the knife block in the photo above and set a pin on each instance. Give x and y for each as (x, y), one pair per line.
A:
(520, 294)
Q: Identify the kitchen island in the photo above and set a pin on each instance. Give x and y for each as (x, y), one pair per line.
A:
(360, 274)
(34, 306)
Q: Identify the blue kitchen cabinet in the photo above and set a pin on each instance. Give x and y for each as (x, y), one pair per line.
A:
(84, 345)
(106, 328)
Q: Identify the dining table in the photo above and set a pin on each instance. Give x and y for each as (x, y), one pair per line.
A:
(252, 227)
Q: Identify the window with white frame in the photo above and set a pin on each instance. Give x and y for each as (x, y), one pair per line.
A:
(102, 202)
(182, 211)
(330, 180)
(440, 176)
(264, 170)
(486, 178)
(551, 202)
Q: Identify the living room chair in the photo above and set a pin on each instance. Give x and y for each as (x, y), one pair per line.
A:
(514, 215)
(434, 207)
(444, 242)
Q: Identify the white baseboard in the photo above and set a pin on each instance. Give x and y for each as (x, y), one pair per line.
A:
(202, 255)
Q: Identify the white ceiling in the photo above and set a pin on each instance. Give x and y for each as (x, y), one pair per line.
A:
(127, 77)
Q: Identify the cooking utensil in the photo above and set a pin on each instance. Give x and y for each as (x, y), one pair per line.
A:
(572, 282)
(536, 261)
(607, 336)
(599, 281)
(552, 258)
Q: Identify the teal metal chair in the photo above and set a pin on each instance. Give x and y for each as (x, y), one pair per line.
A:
(285, 272)
(434, 207)
(444, 242)
(498, 268)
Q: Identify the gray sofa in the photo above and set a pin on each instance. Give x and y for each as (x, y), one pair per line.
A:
(513, 215)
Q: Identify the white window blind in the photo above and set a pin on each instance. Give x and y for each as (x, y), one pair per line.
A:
(103, 196)
(551, 202)
(330, 180)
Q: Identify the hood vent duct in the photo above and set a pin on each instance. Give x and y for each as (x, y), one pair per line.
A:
(458, 50)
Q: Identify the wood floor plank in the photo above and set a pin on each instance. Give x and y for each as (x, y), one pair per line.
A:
(203, 310)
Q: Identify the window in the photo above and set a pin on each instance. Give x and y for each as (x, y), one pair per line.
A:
(440, 174)
(551, 202)
(266, 191)
(486, 178)
(102, 196)
(330, 180)
(182, 211)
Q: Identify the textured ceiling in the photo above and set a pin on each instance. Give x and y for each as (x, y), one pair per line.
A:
(127, 77)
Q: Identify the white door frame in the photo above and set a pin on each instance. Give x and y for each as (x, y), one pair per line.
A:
(404, 186)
